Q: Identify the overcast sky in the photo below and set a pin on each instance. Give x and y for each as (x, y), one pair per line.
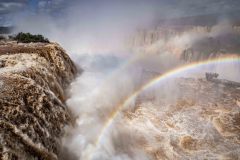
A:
(162, 8)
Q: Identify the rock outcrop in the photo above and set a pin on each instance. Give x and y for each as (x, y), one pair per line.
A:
(33, 78)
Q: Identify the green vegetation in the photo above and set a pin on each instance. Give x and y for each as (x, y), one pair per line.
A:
(28, 38)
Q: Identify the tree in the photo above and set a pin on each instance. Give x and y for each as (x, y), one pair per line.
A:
(28, 38)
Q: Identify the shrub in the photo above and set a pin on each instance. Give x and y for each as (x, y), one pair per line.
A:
(27, 38)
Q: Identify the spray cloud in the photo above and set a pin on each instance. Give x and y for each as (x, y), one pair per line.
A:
(95, 37)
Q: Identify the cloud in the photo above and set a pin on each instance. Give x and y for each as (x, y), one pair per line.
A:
(161, 8)
(7, 9)
(51, 7)
(10, 7)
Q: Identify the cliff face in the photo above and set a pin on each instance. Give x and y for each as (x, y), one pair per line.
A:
(32, 81)
(188, 42)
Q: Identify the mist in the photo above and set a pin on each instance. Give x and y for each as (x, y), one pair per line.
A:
(83, 27)
(106, 81)
(97, 39)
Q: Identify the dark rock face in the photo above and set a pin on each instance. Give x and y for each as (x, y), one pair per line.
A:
(32, 81)
(211, 47)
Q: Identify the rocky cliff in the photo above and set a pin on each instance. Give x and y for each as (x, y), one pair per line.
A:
(33, 78)
(188, 42)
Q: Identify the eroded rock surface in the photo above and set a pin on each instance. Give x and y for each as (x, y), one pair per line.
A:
(33, 78)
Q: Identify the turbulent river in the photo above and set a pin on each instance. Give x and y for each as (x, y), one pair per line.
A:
(178, 115)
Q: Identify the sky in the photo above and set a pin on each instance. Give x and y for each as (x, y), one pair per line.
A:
(13, 9)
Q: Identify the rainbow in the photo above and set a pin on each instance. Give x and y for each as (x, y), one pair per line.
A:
(160, 78)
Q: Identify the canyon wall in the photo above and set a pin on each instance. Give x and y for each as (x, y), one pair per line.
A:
(188, 42)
